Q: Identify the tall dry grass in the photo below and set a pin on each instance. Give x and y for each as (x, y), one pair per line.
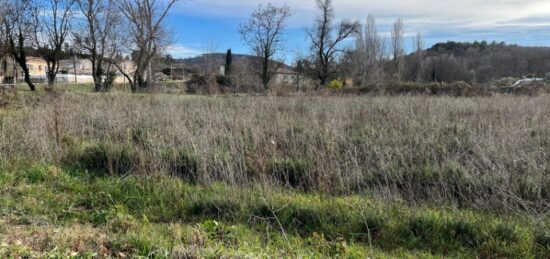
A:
(485, 152)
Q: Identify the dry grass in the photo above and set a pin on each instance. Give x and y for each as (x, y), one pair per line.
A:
(485, 152)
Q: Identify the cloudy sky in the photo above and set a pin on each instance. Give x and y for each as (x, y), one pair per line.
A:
(204, 25)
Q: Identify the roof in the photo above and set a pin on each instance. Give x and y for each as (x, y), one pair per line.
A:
(72, 60)
(527, 81)
(286, 71)
(37, 59)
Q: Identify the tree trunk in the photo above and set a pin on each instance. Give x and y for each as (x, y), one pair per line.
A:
(323, 76)
(26, 74)
(27, 77)
(22, 61)
(51, 79)
(98, 77)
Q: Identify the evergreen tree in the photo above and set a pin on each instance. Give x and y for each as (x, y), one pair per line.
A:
(228, 62)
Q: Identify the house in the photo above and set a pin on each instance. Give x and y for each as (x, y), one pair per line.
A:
(76, 66)
(81, 70)
(128, 67)
(10, 69)
(527, 82)
(287, 76)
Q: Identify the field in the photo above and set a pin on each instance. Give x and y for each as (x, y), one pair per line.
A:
(156, 175)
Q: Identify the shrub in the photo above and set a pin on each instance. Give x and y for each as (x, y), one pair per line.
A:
(184, 164)
(335, 84)
(218, 231)
(331, 249)
(225, 81)
(34, 175)
(109, 81)
(106, 158)
(506, 233)
(213, 208)
(291, 172)
(506, 82)
(195, 83)
(307, 220)
(435, 231)
(542, 238)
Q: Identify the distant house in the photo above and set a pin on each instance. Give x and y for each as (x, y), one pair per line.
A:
(527, 81)
(179, 71)
(81, 70)
(9, 70)
(127, 67)
(76, 66)
(287, 76)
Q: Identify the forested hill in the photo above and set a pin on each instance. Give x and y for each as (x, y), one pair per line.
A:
(215, 60)
(483, 62)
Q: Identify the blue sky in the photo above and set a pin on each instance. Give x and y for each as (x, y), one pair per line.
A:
(204, 25)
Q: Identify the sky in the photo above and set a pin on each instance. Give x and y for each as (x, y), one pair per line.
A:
(202, 26)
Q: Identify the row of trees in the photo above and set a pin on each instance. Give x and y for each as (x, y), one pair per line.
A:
(264, 34)
(374, 59)
(329, 58)
(101, 30)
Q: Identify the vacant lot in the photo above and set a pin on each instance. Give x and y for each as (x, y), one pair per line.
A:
(352, 176)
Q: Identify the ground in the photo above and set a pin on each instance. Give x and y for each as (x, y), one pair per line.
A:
(88, 175)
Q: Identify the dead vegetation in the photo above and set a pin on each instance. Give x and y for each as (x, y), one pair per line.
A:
(487, 152)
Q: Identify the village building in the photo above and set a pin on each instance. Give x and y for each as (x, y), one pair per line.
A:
(9, 69)
(287, 76)
(76, 66)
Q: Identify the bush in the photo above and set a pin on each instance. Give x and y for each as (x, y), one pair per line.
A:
(184, 164)
(213, 208)
(506, 82)
(109, 81)
(291, 172)
(225, 81)
(195, 84)
(458, 88)
(542, 238)
(106, 159)
(335, 84)
(219, 231)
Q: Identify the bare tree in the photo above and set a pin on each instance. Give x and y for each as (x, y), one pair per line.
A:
(52, 34)
(3, 12)
(3, 49)
(397, 48)
(18, 25)
(210, 47)
(418, 44)
(100, 35)
(148, 35)
(324, 45)
(369, 53)
(263, 33)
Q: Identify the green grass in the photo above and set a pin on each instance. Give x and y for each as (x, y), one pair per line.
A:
(158, 175)
(159, 216)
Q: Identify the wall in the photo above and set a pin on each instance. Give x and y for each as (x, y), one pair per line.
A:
(70, 78)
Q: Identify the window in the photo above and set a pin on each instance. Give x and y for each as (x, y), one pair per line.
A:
(39, 67)
(30, 67)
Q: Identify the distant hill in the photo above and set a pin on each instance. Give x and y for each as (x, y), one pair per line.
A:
(214, 61)
(483, 62)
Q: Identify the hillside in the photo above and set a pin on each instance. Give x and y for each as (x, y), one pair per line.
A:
(481, 62)
(215, 60)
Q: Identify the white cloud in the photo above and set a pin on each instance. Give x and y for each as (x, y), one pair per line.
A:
(181, 51)
(419, 14)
